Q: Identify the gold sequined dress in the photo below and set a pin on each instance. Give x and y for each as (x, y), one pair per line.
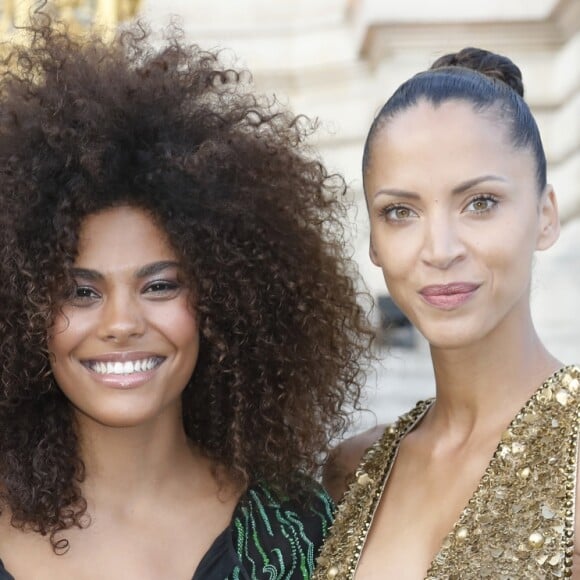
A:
(519, 523)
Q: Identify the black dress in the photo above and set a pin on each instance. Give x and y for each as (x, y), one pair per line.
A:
(270, 537)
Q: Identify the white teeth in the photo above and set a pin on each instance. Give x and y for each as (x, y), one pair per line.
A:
(124, 368)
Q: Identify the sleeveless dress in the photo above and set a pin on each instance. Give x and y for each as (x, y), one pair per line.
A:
(270, 537)
(518, 524)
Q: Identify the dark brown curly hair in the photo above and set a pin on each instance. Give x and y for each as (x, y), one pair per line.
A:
(253, 214)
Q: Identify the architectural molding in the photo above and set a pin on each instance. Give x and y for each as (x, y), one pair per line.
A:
(80, 14)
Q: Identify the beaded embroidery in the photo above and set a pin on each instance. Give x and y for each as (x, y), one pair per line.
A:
(519, 523)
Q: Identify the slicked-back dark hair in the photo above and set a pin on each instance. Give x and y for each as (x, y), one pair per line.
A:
(487, 81)
(253, 215)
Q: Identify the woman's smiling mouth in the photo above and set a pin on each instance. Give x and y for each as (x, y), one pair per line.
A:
(128, 367)
(123, 370)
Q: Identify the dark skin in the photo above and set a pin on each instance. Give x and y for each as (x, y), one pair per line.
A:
(154, 502)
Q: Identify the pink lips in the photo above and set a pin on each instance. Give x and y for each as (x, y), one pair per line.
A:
(124, 381)
(448, 296)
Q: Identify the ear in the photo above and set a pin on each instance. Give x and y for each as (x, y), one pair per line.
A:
(373, 254)
(549, 221)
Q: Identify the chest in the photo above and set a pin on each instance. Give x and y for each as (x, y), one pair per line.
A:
(165, 544)
(515, 521)
(417, 523)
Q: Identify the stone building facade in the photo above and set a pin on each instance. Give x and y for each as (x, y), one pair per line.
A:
(339, 60)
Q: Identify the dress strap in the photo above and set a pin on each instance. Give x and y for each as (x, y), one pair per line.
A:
(342, 550)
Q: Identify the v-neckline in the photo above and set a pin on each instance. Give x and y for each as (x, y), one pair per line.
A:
(385, 479)
(491, 463)
(220, 545)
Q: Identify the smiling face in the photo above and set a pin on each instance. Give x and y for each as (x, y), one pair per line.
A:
(455, 220)
(126, 344)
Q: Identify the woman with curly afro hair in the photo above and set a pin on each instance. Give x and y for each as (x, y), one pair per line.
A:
(179, 331)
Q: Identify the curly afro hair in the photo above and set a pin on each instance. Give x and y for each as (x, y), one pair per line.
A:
(253, 215)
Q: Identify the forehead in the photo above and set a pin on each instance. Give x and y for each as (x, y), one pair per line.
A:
(449, 141)
(121, 237)
(451, 123)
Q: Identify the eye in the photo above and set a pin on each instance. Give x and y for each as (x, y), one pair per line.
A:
(162, 289)
(481, 204)
(83, 296)
(397, 213)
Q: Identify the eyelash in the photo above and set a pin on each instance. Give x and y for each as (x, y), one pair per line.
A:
(85, 295)
(484, 197)
(387, 211)
(162, 287)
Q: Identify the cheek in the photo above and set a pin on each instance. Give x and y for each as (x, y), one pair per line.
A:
(512, 252)
(182, 331)
(396, 251)
(181, 327)
(65, 333)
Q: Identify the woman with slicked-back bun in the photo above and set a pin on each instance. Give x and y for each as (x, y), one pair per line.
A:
(480, 481)
(487, 63)
(172, 365)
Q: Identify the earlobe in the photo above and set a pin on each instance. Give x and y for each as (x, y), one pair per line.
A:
(549, 222)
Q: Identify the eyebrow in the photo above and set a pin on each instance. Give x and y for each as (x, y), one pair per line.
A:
(476, 181)
(143, 272)
(461, 188)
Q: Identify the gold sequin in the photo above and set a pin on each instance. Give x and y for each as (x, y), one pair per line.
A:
(563, 397)
(536, 540)
(524, 473)
(519, 523)
(364, 479)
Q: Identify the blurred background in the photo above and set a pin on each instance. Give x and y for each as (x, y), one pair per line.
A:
(338, 61)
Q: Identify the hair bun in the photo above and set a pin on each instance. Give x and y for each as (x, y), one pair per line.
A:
(487, 63)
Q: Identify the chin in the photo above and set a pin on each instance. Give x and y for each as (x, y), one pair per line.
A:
(451, 344)
(453, 337)
(122, 418)
(122, 422)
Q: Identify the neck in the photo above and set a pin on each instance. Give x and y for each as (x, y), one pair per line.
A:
(127, 466)
(482, 386)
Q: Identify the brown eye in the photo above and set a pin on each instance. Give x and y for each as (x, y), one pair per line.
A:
(162, 289)
(481, 204)
(395, 213)
(83, 296)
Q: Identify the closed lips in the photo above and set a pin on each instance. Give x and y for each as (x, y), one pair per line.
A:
(124, 368)
(449, 289)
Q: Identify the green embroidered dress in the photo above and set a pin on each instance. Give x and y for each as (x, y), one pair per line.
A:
(270, 537)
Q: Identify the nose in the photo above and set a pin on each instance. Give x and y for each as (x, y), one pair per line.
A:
(442, 245)
(122, 318)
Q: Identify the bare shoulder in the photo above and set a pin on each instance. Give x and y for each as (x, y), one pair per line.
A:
(345, 458)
